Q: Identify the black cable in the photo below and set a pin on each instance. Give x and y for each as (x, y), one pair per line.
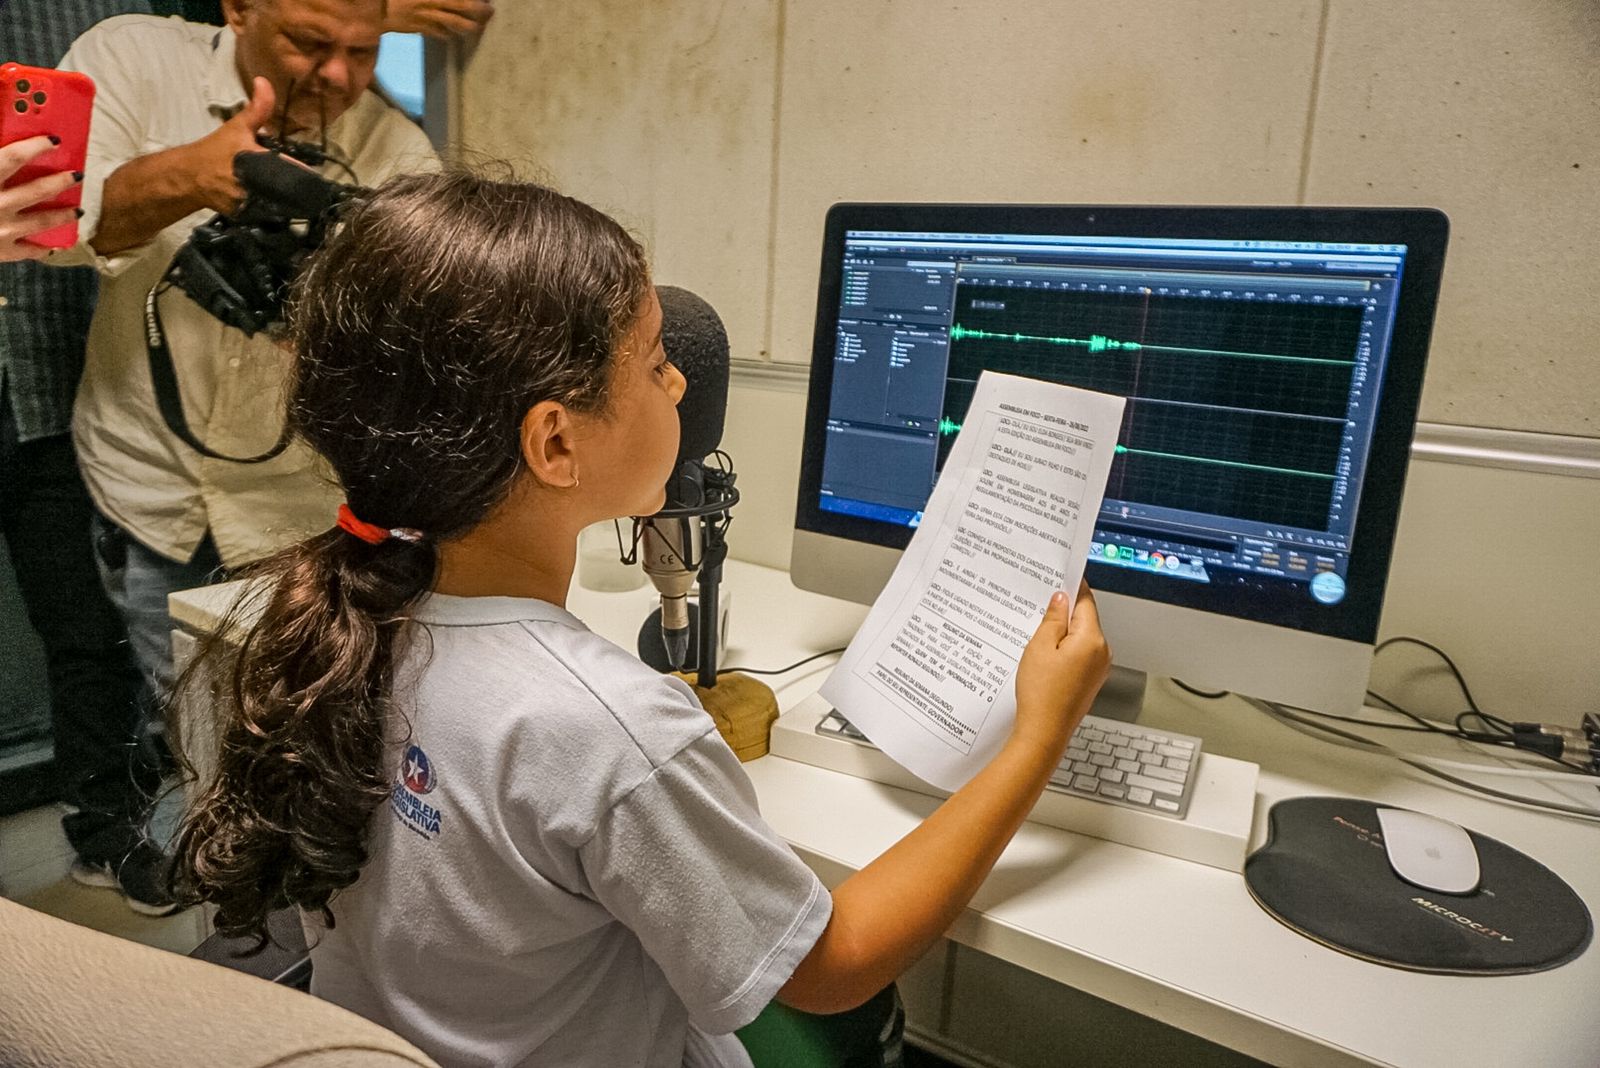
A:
(1209, 695)
(1429, 726)
(780, 671)
(1461, 680)
(1354, 722)
(1498, 731)
(342, 165)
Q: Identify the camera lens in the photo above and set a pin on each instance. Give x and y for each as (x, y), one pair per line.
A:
(22, 106)
(22, 86)
(39, 98)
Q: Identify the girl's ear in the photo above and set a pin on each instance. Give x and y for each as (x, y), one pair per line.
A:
(547, 445)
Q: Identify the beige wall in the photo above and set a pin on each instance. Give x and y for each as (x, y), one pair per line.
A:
(722, 129)
(1493, 564)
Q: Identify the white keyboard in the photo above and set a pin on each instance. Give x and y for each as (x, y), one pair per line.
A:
(1216, 799)
(1106, 760)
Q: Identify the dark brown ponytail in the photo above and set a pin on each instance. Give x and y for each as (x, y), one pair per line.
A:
(445, 308)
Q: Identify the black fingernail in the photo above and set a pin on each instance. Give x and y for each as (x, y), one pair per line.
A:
(78, 212)
(77, 176)
(54, 140)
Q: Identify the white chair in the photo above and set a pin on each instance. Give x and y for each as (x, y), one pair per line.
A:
(76, 998)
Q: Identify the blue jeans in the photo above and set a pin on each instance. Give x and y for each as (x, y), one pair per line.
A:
(138, 581)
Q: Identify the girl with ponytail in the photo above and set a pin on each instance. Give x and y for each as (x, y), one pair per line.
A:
(511, 841)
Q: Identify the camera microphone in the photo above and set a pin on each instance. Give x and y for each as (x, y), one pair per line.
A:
(276, 186)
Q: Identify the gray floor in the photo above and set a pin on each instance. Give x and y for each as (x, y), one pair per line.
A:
(34, 861)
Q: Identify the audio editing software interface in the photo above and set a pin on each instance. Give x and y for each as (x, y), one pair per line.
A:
(1251, 370)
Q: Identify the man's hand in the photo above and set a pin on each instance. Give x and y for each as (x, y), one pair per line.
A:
(14, 225)
(146, 195)
(438, 18)
(210, 159)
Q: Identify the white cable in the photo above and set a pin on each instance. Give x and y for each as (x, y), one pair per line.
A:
(1287, 716)
(1533, 766)
(1496, 769)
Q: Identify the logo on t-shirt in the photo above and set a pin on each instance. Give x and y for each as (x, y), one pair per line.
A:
(416, 778)
(418, 773)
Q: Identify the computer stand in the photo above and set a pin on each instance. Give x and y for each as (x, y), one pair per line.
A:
(1122, 696)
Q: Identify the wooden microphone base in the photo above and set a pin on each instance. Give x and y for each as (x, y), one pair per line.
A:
(743, 710)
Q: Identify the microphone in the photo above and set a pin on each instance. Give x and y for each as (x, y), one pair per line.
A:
(688, 536)
(672, 549)
(275, 187)
(697, 344)
(674, 538)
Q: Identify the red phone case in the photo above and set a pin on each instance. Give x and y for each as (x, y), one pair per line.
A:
(38, 100)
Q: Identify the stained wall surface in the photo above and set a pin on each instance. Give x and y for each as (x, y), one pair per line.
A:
(722, 129)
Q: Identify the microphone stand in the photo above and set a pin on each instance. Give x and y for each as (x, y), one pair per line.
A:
(742, 707)
(714, 550)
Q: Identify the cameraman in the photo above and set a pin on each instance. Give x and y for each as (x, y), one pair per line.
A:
(176, 101)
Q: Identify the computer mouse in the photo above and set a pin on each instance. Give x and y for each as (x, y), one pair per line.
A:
(1429, 852)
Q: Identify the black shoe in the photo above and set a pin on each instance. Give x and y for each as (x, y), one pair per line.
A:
(141, 877)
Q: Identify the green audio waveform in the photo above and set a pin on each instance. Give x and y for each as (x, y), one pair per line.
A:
(948, 427)
(1221, 463)
(1101, 343)
(1094, 342)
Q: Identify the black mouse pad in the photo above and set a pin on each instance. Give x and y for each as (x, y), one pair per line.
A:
(1323, 872)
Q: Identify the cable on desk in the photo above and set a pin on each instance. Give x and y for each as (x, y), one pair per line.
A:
(1576, 749)
(780, 671)
(1209, 695)
(1526, 770)
(1461, 680)
(1572, 748)
(1291, 715)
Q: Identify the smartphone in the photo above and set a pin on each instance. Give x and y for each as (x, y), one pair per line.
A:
(58, 103)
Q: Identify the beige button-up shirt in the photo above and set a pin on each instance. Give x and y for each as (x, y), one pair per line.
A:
(163, 83)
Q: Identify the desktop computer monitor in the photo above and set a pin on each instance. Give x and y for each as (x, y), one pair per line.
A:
(1271, 359)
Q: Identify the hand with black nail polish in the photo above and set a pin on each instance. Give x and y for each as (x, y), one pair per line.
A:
(16, 220)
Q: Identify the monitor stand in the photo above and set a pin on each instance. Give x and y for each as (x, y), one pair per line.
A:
(1122, 696)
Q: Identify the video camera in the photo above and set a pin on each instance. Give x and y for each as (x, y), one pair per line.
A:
(239, 268)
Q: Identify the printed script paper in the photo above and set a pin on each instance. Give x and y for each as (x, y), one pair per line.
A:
(929, 675)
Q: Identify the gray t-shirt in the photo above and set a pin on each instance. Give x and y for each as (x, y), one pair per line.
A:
(571, 869)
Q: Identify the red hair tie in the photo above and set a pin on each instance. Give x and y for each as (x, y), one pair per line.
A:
(371, 533)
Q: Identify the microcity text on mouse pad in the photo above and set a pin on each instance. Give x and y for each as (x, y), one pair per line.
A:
(1323, 872)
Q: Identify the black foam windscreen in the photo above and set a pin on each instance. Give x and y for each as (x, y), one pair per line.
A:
(697, 344)
(289, 187)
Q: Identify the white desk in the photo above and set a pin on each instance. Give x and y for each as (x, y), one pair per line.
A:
(1178, 942)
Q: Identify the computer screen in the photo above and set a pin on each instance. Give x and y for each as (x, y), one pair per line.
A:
(1271, 358)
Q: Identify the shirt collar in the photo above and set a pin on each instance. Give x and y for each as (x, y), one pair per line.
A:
(447, 610)
(225, 92)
